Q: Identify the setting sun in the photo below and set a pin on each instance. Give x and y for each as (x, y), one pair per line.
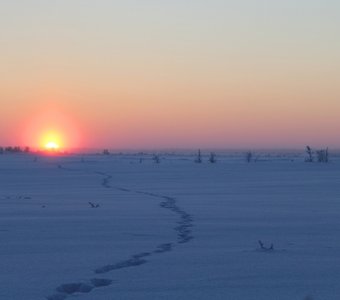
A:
(51, 129)
(52, 146)
(51, 141)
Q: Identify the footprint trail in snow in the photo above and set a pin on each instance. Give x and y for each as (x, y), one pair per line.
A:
(183, 231)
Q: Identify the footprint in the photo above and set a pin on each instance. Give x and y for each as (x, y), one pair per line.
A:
(140, 255)
(71, 288)
(101, 282)
(163, 248)
(132, 262)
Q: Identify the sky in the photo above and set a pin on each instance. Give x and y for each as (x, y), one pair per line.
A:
(170, 74)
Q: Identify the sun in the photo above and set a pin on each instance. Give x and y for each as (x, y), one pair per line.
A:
(51, 131)
(52, 141)
(52, 146)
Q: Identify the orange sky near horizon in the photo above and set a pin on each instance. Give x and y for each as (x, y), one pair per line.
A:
(170, 75)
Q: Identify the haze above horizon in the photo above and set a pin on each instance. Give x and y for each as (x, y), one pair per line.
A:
(170, 74)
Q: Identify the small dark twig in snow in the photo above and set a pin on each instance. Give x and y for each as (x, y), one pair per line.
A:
(94, 205)
(263, 247)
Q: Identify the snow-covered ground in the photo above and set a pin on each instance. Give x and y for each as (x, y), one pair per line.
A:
(174, 230)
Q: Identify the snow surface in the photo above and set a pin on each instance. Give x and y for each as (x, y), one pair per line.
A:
(174, 230)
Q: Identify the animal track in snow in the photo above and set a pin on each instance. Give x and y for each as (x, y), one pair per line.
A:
(132, 262)
(100, 282)
(67, 289)
(183, 231)
(163, 248)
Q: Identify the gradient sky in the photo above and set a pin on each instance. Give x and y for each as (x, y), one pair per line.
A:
(179, 74)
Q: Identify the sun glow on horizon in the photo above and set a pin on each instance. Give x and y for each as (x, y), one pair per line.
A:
(51, 130)
(51, 141)
(52, 146)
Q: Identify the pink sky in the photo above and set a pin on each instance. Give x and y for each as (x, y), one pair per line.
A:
(212, 74)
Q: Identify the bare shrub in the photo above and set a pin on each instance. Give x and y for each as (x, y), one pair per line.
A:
(106, 152)
(198, 157)
(249, 157)
(322, 155)
(309, 152)
(212, 158)
(156, 159)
